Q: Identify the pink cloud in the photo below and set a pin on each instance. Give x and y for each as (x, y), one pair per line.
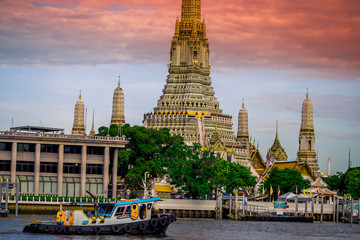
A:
(301, 36)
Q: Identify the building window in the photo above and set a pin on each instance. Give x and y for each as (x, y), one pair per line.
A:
(72, 149)
(26, 184)
(24, 166)
(48, 185)
(94, 169)
(94, 185)
(50, 148)
(5, 165)
(71, 187)
(49, 167)
(5, 146)
(72, 168)
(26, 147)
(95, 150)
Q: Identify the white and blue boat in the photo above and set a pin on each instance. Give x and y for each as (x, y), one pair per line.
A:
(124, 217)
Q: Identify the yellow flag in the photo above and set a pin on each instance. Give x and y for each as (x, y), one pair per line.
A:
(263, 191)
(304, 192)
(273, 201)
(271, 190)
(310, 193)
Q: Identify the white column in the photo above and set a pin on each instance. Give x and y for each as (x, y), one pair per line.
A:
(83, 171)
(60, 169)
(114, 173)
(106, 171)
(37, 169)
(13, 165)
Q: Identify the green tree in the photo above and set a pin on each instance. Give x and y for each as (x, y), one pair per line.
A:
(334, 181)
(287, 179)
(352, 182)
(232, 176)
(142, 153)
(190, 169)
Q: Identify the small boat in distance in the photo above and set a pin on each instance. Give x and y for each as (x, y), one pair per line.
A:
(124, 217)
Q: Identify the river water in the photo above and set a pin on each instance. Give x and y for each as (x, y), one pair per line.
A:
(200, 229)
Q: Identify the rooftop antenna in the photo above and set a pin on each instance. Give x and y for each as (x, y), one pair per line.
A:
(349, 163)
(41, 124)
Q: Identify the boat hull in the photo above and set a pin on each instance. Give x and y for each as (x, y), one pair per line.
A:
(148, 227)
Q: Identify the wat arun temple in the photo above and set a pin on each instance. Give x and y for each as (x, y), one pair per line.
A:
(188, 106)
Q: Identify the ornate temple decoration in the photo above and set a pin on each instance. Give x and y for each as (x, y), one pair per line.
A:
(92, 131)
(307, 137)
(118, 116)
(79, 126)
(276, 152)
(188, 106)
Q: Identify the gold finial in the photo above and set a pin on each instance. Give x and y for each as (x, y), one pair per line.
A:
(7, 180)
(80, 95)
(1, 180)
(17, 180)
(204, 28)
(243, 105)
(177, 28)
(119, 81)
(92, 131)
(307, 93)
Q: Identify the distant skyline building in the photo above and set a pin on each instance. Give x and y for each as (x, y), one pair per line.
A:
(307, 137)
(79, 113)
(118, 116)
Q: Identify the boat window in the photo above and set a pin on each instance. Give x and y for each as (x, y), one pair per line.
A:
(143, 211)
(127, 210)
(107, 209)
(119, 211)
(149, 205)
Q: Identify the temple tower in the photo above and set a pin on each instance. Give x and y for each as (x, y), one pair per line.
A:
(188, 94)
(243, 125)
(79, 126)
(276, 152)
(307, 136)
(92, 131)
(118, 116)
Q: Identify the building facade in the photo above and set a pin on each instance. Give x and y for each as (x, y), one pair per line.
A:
(59, 164)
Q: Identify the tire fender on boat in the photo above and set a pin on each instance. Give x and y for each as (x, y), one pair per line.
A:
(47, 228)
(66, 229)
(127, 228)
(154, 222)
(173, 217)
(79, 230)
(142, 226)
(115, 228)
(97, 230)
(59, 229)
(162, 221)
(168, 219)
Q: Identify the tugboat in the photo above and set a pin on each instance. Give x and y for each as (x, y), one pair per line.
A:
(125, 217)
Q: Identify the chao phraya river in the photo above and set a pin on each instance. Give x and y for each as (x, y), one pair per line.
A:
(206, 229)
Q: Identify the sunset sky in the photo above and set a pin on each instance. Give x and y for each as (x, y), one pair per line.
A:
(267, 52)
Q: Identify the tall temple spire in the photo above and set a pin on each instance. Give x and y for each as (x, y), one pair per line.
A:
(191, 9)
(307, 136)
(277, 126)
(118, 116)
(79, 111)
(92, 132)
(243, 124)
(188, 94)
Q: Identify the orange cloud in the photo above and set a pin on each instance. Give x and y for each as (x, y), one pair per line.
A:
(305, 35)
